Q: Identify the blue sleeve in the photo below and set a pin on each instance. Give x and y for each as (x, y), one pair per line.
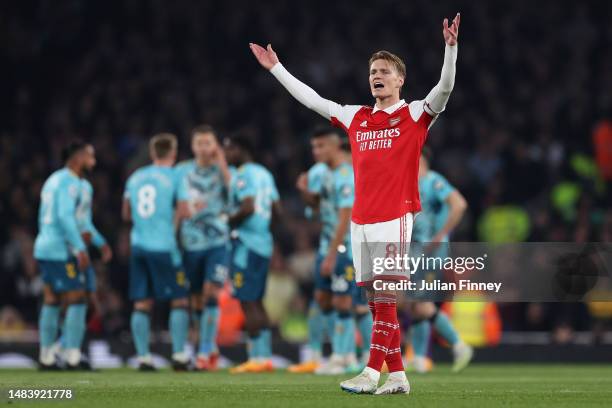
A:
(345, 190)
(314, 179)
(441, 188)
(126, 191)
(87, 225)
(245, 185)
(274, 193)
(66, 212)
(96, 238)
(182, 189)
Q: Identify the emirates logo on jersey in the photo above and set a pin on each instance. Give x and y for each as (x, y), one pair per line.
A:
(394, 121)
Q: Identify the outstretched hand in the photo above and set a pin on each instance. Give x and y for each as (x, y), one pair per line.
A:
(266, 56)
(451, 33)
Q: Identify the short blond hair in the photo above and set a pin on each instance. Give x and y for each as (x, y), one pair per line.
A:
(162, 144)
(392, 58)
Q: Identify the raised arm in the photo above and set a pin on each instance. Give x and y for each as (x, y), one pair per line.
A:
(436, 99)
(300, 91)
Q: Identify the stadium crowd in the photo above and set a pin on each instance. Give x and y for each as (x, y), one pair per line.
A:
(519, 139)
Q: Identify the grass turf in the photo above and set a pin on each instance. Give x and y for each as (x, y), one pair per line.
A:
(489, 385)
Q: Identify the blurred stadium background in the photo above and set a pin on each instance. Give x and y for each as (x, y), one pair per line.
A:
(527, 135)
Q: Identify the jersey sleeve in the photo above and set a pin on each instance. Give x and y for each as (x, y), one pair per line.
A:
(342, 115)
(245, 185)
(419, 114)
(181, 186)
(87, 225)
(66, 211)
(441, 188)
(315, 176)
(128, 185)
(274, 196)
(345, 189)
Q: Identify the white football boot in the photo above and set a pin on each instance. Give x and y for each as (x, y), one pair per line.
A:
(335, 365)
(396, 383)
(462, 355)
(364, 383)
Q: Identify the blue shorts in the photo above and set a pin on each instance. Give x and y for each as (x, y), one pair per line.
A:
(342, 280)
(359, 296)
(156, 275)
(209, 265)
(90, 280)
(249, 273)
(62, 276)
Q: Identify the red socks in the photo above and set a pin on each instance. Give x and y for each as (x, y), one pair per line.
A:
(385, 337)
(394, 355)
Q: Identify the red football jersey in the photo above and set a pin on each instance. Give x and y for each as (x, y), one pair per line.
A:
(386, 147)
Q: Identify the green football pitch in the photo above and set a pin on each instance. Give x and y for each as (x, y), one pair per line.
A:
(484, 385)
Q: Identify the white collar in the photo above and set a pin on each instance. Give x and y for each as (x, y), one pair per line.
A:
(390, 109)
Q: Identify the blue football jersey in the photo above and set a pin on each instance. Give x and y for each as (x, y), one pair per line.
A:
(58, 233)
(434, 189)
(337, 192)
(254, 180)
(315, 177)
(152, 192)
(84, 214)
(205, 186)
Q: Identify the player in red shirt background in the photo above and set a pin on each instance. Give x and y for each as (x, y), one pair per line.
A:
(386, 142)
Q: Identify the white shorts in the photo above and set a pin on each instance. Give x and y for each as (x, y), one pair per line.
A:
(381, 239)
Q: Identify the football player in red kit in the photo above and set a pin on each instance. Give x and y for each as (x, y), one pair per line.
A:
(386, 142)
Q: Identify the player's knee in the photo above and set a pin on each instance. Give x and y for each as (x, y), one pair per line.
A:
(324, 300)
(343, 303)
(211, 291)
(144, 306)
(50, 298)
(196, 302)
(75, 297)
(424, 310)
(179, 303)
(211, 302)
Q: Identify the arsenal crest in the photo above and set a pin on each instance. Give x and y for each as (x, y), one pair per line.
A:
(394, 121)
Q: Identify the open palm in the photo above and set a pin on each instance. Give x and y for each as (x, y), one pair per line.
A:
(266, 56)
(451, 33)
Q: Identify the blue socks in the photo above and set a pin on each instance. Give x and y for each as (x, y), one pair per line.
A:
(364, 324)
(421, 331)
(328, 324)
(74, 326)
(344, 336)
(141, 327)
(260, 347)
(179, 327)
(445, 328)
(208, 328)
(265, 338)
(48, 324)
(315, 329)
(254, 347)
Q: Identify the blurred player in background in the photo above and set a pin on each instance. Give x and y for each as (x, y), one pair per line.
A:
(386, 141)
(150, 196)
(255, 197)
(62, 257)
(442, 209)
(309, 185)
(334, 272)
(205, 236)
(91, 236)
